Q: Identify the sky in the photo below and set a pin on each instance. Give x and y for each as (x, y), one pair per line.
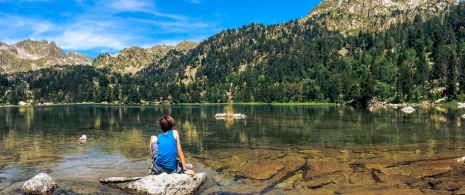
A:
(93, 27)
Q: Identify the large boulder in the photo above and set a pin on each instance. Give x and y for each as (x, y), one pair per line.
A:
(39, 184)
(159, 184)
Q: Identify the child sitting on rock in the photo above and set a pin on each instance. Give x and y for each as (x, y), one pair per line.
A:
(166, 148)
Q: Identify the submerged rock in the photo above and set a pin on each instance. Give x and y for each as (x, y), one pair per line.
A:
(159, 184)
(39, 184)
(420, 168)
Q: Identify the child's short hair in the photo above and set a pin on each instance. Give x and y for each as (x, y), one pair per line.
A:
(167, 123)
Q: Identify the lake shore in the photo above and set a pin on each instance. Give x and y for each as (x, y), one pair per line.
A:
(372, 104)
(173, 104)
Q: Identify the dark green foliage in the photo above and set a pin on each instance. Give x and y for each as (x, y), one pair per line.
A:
(70, 84)
(290, 62)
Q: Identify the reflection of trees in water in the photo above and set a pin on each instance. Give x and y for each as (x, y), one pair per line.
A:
(336, 126)
(228, 122)
(36, 149)
(131, 143)
(40, 135)
(190, 135)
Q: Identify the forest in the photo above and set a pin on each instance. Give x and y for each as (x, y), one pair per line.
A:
(295, 61)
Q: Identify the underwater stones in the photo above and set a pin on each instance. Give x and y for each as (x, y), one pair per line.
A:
(83, 187)
(422, 168)
(39, 184)
(425, 168)
(159, 184)
(460, 191)
(261, 170)
(315, 183)
(319, 168)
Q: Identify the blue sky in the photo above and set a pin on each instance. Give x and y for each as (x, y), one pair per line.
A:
(93, 27)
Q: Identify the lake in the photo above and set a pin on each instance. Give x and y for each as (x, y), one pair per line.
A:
(286, 141)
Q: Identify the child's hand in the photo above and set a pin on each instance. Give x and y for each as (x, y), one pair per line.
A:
(190, 172)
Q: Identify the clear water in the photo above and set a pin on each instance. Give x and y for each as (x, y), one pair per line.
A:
(45, 138)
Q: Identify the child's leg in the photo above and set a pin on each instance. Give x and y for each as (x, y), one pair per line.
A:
(153, 138)
(179, 167)
(153, 150)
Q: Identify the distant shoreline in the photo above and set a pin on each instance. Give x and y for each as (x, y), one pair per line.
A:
(238, 103)
(178, 104)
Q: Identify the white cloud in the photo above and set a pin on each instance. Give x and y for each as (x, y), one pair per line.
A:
(42, 27)
(88, 39)
(96, 28)
(131, 5)
(179, 26)
(17, 25)
(89, 34)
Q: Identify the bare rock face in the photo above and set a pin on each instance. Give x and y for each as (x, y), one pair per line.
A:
(40, 184)
(351, 16)
(33, 55)
(159, 184)
(133, 59)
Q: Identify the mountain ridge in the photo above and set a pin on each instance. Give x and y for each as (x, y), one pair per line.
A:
(345, 16)
(133, 59)
(32, 55)
(296, 61)
(351, 16)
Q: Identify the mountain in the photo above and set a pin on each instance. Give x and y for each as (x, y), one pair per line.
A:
(133, 59)
(32, 55)
(297, 61)
(351, 16)
(308, 60)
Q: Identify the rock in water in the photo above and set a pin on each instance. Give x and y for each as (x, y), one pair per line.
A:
(408, 109)
(40, 184)
(159, 184)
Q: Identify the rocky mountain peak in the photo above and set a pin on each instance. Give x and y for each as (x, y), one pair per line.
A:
(133, 59)
(31, 55)
(351, 16)
(186, 45)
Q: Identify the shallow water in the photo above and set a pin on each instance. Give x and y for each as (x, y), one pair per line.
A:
(44, 139)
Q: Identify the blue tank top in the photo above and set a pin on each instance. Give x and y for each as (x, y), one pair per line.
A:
(167, 151)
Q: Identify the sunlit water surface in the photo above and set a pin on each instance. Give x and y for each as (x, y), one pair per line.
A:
(45, 138)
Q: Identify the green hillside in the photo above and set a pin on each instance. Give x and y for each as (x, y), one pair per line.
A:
(297, 61)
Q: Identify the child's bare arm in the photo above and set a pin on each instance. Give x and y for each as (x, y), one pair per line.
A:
(181, 154)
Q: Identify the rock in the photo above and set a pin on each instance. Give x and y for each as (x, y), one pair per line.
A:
(40, 184)
(83, 139)
(461, 105)
(262, 170)
(461, 159)
(320, 168)
(159, 184)
(408, 109)
(119, 179)
(460, 191)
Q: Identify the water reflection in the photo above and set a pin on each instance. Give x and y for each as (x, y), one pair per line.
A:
(43, 137)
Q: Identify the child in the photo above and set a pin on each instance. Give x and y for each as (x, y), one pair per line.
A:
(167, 148)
